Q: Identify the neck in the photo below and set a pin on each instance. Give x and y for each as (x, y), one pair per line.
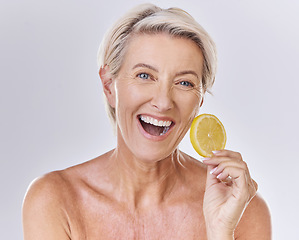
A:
(140, 183)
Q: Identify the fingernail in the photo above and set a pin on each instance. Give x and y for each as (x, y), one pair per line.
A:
(213, 170)
(215, 152)
(219, 175)
(205, 159)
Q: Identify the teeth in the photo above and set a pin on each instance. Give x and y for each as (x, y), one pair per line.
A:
(164, 131)
(155, 122)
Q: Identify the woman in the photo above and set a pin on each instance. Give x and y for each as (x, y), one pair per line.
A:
(155, 65)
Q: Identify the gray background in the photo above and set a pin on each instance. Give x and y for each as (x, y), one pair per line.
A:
(52, 113)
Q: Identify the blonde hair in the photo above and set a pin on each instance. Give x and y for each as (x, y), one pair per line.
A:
(150, 19)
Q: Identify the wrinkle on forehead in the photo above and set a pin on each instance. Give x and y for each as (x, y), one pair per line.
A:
(139, 48)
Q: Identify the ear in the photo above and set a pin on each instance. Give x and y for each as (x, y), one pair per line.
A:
(108, 85)
(202, 94)
(201, 102)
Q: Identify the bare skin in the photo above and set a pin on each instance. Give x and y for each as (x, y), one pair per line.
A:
(146, 188)
(90, 203)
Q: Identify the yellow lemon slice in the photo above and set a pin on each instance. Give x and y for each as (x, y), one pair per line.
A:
(207, 134)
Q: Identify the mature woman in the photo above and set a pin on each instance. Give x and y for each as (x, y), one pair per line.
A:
(155, 65)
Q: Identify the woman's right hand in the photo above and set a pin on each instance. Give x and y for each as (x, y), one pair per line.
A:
(224, 203)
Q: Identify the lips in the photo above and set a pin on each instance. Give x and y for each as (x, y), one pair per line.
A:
(154, 126)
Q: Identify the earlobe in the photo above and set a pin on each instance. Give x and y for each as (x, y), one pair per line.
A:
(201, 102)
(108, 86)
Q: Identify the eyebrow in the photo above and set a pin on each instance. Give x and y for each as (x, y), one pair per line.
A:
(156, 70)
(146, 66)
(187, 72)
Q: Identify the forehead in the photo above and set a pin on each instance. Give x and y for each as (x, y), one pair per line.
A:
(163, 51)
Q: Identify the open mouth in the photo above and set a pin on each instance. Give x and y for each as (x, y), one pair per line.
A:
(153, 126)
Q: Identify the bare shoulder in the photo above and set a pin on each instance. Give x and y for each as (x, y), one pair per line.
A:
(256, 221)
(51, 198)
(45, 184)
(194, 171)
(193, 164)
(48, 189)
(42, 209)
(58, 185)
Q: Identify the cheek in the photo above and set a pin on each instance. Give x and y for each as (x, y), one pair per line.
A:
(131, 95)
(189, 103)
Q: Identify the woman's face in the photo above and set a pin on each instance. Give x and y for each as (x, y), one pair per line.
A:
(157, 93)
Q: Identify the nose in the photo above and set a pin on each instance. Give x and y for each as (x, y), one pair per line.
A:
(162, 98)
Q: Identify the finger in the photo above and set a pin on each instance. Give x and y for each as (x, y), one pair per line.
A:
(242, 184)
(227, 153)
(255, 184)
(230, 163)
(240, 187)
(216, 160)
(233, 172)
(252, 193)
(211, 179)
(253, 188)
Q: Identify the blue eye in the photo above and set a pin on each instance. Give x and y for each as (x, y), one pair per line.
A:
(186, 84)
(143, 76)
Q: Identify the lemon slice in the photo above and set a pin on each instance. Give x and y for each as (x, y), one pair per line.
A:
(207, 134)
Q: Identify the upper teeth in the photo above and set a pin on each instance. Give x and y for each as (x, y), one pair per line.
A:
(155, 121)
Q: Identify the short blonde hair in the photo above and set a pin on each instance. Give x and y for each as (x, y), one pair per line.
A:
(150, 19)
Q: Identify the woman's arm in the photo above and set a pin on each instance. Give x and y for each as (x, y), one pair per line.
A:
(43, 215)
